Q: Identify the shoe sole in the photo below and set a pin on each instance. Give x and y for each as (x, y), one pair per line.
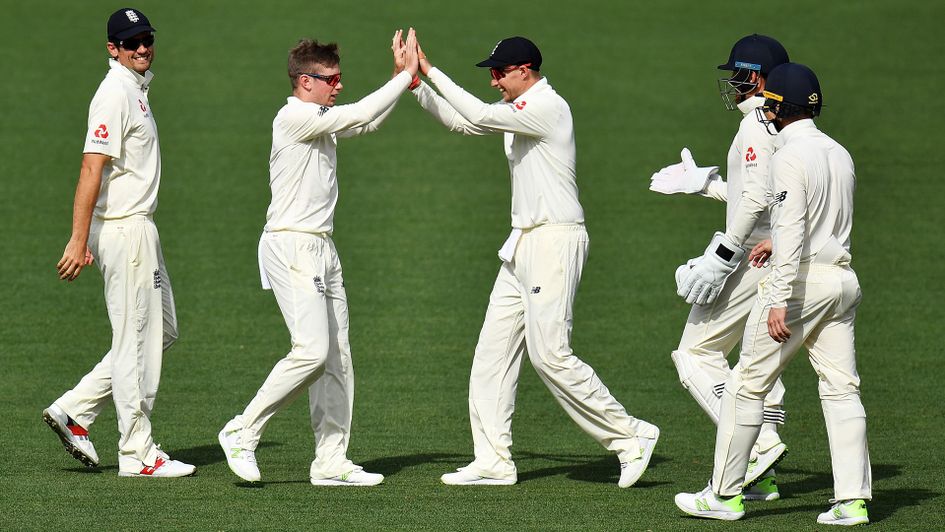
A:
(647, 454)
(847, 521)
(221, 438)
(330, 482)
(125, 474)
(720, 516)
(72, 449)
(481, 482)
(749, 483)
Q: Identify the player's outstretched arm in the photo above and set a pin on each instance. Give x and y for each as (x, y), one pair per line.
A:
(434, 104)
(77, 255)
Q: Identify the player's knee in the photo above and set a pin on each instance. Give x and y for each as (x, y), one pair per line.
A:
(312, 354)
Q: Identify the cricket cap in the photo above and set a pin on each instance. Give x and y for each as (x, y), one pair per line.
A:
(513, 51)
(127, 22)
(756, 52)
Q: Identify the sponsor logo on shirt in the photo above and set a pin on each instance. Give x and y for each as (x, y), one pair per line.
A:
(750, 156)
(101, 132)
(779, 198)
(536, 289)
(323, 109)
(520, 105)
(157, 279)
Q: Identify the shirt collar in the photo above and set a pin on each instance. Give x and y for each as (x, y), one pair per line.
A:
(129, 75)
(800, 128)
(537, 87)
(748, 105)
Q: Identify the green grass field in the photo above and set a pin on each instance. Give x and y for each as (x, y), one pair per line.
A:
(421, 215)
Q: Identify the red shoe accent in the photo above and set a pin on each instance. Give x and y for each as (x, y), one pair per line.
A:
(149, 470)
(77, 430)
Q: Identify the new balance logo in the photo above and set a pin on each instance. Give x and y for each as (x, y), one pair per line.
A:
(702, 505)
(780, 197)
(322, 110)
(157, 279)
(536, 289)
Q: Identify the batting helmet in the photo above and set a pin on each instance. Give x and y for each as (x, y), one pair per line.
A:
(793, 89)
(751, 54)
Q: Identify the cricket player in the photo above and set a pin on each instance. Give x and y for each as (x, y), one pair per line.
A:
(531, 305)
(714, 328)
(112, 221)
(298, 260)
(809, 300)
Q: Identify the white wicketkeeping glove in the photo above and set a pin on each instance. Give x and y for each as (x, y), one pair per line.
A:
(683, 271)
(684, 177)
(707, 275)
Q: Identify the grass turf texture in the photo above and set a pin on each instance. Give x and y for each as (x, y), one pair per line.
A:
(421, 214)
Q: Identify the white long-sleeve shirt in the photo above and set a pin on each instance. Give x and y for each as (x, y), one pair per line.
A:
(745, 188)
(539, 144)
(813, 181)
(122, 126)
(303, 159)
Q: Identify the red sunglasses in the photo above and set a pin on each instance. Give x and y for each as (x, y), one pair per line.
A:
(498, 74)
(331, 80)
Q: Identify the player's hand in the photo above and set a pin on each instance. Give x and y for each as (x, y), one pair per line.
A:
(703, 281)
(425, 65)
(777, 328)
(760, 254)
(400, 52)
(75, 257)
(411, 58)
(684, 177)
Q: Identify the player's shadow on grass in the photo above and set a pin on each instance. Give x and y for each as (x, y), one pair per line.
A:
(204, 455)
(813, 481)
(391, 465)
(587, 468)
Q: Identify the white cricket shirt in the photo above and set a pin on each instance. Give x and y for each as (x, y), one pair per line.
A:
(302, 161)
(121, 125)
(747, 221)
(813, 181)
(539, 144)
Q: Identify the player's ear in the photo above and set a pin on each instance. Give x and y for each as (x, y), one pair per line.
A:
(112, 49)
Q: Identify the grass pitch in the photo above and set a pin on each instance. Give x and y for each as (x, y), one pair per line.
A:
(421, 214)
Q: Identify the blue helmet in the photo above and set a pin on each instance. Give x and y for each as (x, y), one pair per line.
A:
(793, 89)
(754, 53)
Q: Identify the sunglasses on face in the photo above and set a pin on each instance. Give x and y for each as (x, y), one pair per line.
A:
(134, 43)
(498, 73)
(331, 80)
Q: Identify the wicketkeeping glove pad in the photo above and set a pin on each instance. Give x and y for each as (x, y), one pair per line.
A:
(683, 177)
(702, 284)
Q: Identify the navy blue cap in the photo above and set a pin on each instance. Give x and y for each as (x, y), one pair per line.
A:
(756, 52)
(796, 84)
(127, 22)
(513, 51)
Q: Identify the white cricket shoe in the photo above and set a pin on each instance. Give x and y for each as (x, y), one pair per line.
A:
(765, 489)
(845, 513)
(706, 505)
(162, 468)
(630, 472)
(464, 478)
(356, 477)
(765, 462)
(241, 461)
(73, 436)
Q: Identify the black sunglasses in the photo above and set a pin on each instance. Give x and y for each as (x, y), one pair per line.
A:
(135, 43)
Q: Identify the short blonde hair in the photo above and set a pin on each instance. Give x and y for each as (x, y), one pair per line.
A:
(306, 54)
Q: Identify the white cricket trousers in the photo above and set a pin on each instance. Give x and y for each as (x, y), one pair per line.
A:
(820, 315)
(530, 309)
(305, 274)
(140, 306)
(711, 332)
